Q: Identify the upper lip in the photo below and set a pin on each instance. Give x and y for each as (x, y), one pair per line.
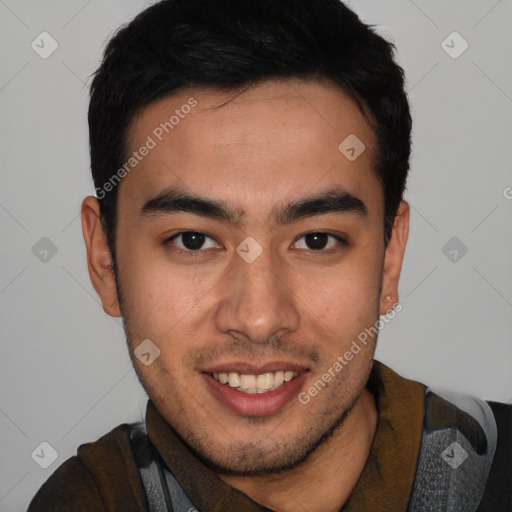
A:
(254, 368)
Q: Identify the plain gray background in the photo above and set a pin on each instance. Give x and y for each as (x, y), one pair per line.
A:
(66, 377)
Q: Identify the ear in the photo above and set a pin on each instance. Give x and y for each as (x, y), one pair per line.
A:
(99, 259)
(393, 258)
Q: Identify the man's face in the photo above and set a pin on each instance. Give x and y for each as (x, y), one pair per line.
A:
(212, 305)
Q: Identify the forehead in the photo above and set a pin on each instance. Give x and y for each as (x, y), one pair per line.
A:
(279, 138)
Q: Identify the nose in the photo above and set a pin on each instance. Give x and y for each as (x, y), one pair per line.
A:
(257, 303)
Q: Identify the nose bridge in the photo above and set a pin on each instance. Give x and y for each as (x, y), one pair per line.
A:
(257, 303)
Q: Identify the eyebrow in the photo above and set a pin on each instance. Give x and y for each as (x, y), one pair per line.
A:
(330, 201)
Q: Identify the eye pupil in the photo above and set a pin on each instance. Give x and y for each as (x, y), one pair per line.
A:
(192, 240)
(319, 240)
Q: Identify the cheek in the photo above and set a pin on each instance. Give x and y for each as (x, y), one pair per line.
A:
(348, 294)
(148, 277)
(164, 301)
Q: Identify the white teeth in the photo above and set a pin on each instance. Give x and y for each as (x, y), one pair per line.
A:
(234, 379)
(288, 376)
(278, 378)
(247, 381)
(255, 383)
(265, 381)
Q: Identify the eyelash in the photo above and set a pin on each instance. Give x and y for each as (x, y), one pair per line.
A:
(194, 254)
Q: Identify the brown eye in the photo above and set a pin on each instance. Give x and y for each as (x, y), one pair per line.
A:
(191, 242)
(318, 241)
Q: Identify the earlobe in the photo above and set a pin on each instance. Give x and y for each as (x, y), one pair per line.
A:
(99, 259)
(393, 259)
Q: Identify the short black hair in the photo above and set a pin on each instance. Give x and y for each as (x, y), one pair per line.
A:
(228, 44)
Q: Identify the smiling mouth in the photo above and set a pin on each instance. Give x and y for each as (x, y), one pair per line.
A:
(252, 384)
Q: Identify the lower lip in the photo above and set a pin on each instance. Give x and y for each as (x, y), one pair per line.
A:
(257, 404)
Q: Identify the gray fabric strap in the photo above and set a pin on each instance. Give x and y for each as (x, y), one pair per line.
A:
(163, 491)
(180, 501)
(149, 470)
(451, 474)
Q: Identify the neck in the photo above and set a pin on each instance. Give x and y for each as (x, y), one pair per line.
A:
(333, 468)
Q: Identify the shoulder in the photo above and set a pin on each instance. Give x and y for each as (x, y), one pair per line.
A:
(71, 487)
(498, 491)
(466, 454)
(102, 477)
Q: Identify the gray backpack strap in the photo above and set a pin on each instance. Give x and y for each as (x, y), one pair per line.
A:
(163, 491)
(149, 469)
(457, 448)
(180, 501)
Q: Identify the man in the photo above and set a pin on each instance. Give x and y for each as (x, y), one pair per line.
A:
(250, 159)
